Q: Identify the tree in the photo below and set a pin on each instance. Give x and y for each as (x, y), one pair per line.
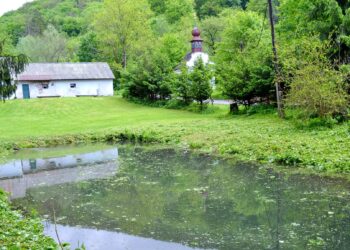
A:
(212, 31)
(200, 77)
(71, 26)
(176, 9)
(206, 8)
(261, 7)
(10, 67)
(88, 49)
(51, 46)
(243, 59)
(158, 6)
(35, 24)
(172, 47)
(122, 25)
(181, 86)
(301, 17)
(278, 75)
(149, 78)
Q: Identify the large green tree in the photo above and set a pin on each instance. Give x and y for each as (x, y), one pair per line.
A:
(212, 28)
(151, 76)
(10, 66)
(244, 64)
(123, 27)
(88, 49)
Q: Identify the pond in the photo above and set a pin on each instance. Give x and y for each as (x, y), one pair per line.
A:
(146, 197)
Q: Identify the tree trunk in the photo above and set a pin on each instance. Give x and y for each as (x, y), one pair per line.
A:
(124, 58)
(279, 92)
(234, 108)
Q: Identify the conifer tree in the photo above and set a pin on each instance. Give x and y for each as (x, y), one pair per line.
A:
(10, 66)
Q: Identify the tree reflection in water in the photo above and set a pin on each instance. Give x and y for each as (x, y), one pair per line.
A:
(204, 202)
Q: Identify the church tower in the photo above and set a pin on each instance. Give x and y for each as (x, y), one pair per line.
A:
(197, 50)
(197, 41)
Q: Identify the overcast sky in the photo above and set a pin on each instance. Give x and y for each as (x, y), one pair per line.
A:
(7, 5)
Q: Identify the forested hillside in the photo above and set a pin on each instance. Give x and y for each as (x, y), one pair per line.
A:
(145, 40)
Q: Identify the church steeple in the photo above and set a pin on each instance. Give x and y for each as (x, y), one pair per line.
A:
(197, 41)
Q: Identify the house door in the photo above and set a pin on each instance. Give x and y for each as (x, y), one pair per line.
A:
(26, 92)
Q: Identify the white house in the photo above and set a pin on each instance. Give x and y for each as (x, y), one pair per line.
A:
(40, 80)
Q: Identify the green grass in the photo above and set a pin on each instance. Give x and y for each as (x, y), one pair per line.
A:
(23, 118)
(258, 137)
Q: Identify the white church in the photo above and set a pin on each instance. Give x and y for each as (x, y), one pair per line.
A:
(44, 80)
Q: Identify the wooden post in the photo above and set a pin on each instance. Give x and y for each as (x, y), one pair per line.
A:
(279, 91)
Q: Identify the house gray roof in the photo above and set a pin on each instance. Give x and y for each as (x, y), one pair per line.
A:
(65, 71)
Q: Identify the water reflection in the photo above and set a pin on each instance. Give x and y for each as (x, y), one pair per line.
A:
(197, 201)
(17, 176)
(101, 239)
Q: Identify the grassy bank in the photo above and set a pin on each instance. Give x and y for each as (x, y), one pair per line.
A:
(264, 138)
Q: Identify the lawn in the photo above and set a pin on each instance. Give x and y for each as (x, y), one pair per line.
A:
(263, 138)
(42, 117)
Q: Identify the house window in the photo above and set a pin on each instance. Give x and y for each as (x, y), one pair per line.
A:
(45, 86)
(73, 85)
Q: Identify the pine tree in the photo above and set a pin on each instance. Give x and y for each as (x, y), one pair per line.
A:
(10, 66)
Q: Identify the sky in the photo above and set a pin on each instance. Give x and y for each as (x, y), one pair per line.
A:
(7, 5)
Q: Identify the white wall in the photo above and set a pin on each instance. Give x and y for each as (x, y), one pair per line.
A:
(63, 89)
(195, 57)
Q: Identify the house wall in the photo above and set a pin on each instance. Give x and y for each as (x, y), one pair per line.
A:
(63, 89)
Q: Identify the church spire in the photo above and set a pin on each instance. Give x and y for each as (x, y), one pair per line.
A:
(197, 41)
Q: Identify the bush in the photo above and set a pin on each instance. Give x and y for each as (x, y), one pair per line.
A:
(318, 90)
(297, 116)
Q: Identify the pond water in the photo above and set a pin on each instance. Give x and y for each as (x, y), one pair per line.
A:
(134, 197)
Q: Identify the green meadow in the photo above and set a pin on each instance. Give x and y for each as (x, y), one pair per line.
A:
(260, 137)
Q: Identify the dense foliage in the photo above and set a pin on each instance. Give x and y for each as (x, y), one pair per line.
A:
(21, 233)
(244, 64)
(145, 51)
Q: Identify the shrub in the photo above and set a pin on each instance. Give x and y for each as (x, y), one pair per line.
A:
(318, 90)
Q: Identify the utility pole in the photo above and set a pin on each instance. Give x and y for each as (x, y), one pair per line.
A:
(279, 91)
